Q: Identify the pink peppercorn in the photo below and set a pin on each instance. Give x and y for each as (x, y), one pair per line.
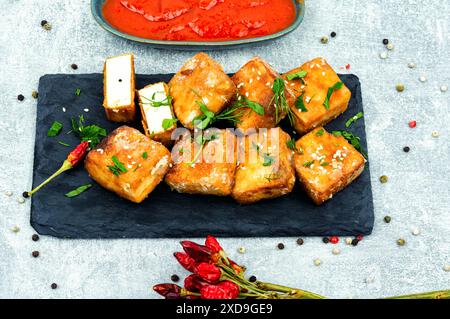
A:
(359, 237)
(334, 239)
(412, 124)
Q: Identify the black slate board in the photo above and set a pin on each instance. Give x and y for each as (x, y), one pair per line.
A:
(98, 213)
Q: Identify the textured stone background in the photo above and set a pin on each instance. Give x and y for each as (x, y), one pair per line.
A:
(417, 194)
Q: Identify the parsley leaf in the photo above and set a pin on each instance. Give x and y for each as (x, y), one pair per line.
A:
(55, 129)
(320, 132)
(145, 155)
(308, 164)
(118, 167)
(297, 75)
(78, 92)
(152, 102)
(335, 87)
(300, 105)
(354, 140)
(268, 160)
(354, 118)
(90, 133)
(78, 191)
(168, 123)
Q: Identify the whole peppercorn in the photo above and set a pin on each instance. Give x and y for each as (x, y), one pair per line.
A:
(324, 40)
(333, 34)
(280, 246)
(387, 219)
(35, 254)
(317, 262)
(325, 240)
(43, 22)
(401, 242)
(334, 239)
(74, 66)
(47, 26)
(383, 179)
(242, 250)
(252, 279)
(20, 97)
(359, 237)
(54, 286)
(355, 242)
(300, 241)
(35, 237)
(412, 124)
(175, 278)
(406, 149)
(385, 41)
(35, 94)
(400, 87)
(26, 195)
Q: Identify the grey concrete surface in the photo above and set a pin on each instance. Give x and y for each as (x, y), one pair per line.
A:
(417, 194)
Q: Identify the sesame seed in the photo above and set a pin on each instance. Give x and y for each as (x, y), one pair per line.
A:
(422, 79)
(415, 231)
(383, 55)
(35, 94)
(317, 262)
(21, 200)
(390, 46)
(64, 109)
(8, 193)
(86, 110)
(444, 88)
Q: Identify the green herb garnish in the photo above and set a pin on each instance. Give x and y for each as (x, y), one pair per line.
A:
(280, 102)
(300, 105)
(145, 155)
(354, 140)
(243, 102)
(78, 92)
(63, 144)
(323, 164)
(168, 123)
(320, 132)
(201, 140)
(354, 118)
(78, 191)
(55, 129)
(118, 167)
(308, 164)
(297, 75)
(90, 133)
(268, 160)
(335, 87)
(152, 101)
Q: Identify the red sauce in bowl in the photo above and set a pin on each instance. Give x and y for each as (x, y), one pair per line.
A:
(199, 20)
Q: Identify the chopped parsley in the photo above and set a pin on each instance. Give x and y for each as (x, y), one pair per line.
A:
(55, 129)
(90, 133)
(118, 167)
(335, 87)
(354, 118)
(63, 144)
(308, 164)
(78, 92)
(268, 160)
(168, 123)
(201, 140)
(279, 100)
(300, 105)
(297, 75)
(145, 155)
(78, 191)
(320, 132)
(152, 101)
(323, 164)
(354, 140)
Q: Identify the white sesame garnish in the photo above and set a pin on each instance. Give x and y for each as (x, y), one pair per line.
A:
(129, 156)
(8, 193)
(336, 251)
(251, 81)
(435, 134)
(415, 231)
(64, 109)
(383, 55)
(317, 262)
(86, 110)
(246, 94)
(411, 65)
(258, 78)
(422, 79)
(444, 88)
(21, 200)
(240, 85)
(323, 73)
(390, 46)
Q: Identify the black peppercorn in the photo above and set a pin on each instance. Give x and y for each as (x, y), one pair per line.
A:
(43, 22)
(54, 286)
(300, 241)
(406, 149)
(280, 246)
(175, 278)
(35, 254)
(74, 66)
(333, 34)
(26, 195)
(35, 237)
(387, 219)
(20, 97)
(355, 242)
(252, 279)
(325, 240)
(385, 41)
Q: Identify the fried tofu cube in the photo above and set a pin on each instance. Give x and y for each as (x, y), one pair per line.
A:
(158, 119)
(265, 167)
(255, 81)
(312, 107)
(326, 164)
(119, 88)
(201, 79)
(128, 163)
(207, 169)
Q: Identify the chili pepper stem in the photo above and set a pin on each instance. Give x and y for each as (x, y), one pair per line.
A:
(293, 291)
(244, 285)
(224, 256)
(65, 167)
(441, 294)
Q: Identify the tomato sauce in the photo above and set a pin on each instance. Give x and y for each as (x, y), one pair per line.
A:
(199, 20)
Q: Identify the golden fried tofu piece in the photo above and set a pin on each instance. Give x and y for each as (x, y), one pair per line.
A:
(311, 109)
(265, 167)
(128, 163)
(207, 170)
(254, 82)
(158, 119)
(201, 79)
(119, 88)
(326, 164)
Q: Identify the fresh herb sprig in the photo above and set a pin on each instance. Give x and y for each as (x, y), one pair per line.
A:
(354, 140)
(55, 129)
(335, 87)
(90, 133)
(168, 123)
(291, 145)
(152, 101)
(280, 102)
(202, 140)
(118, 167)
(78, 191)
(354, 118)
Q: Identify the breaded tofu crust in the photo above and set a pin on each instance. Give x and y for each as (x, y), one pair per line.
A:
(265, 167)
(254, 82)
(119, 88)
(201, 79)
(312, 90)
(214, 168)
(139, 167)
(326, 164)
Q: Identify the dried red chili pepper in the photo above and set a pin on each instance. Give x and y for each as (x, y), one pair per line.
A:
(215, 292)
(231, 287)
(212, 243)
(194, 283)
(168, 289)
(238, 269)
(209, 272)
(198, 252)
(72, 160)
(186, 261)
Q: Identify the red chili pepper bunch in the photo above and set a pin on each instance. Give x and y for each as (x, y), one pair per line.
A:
(215, 276)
